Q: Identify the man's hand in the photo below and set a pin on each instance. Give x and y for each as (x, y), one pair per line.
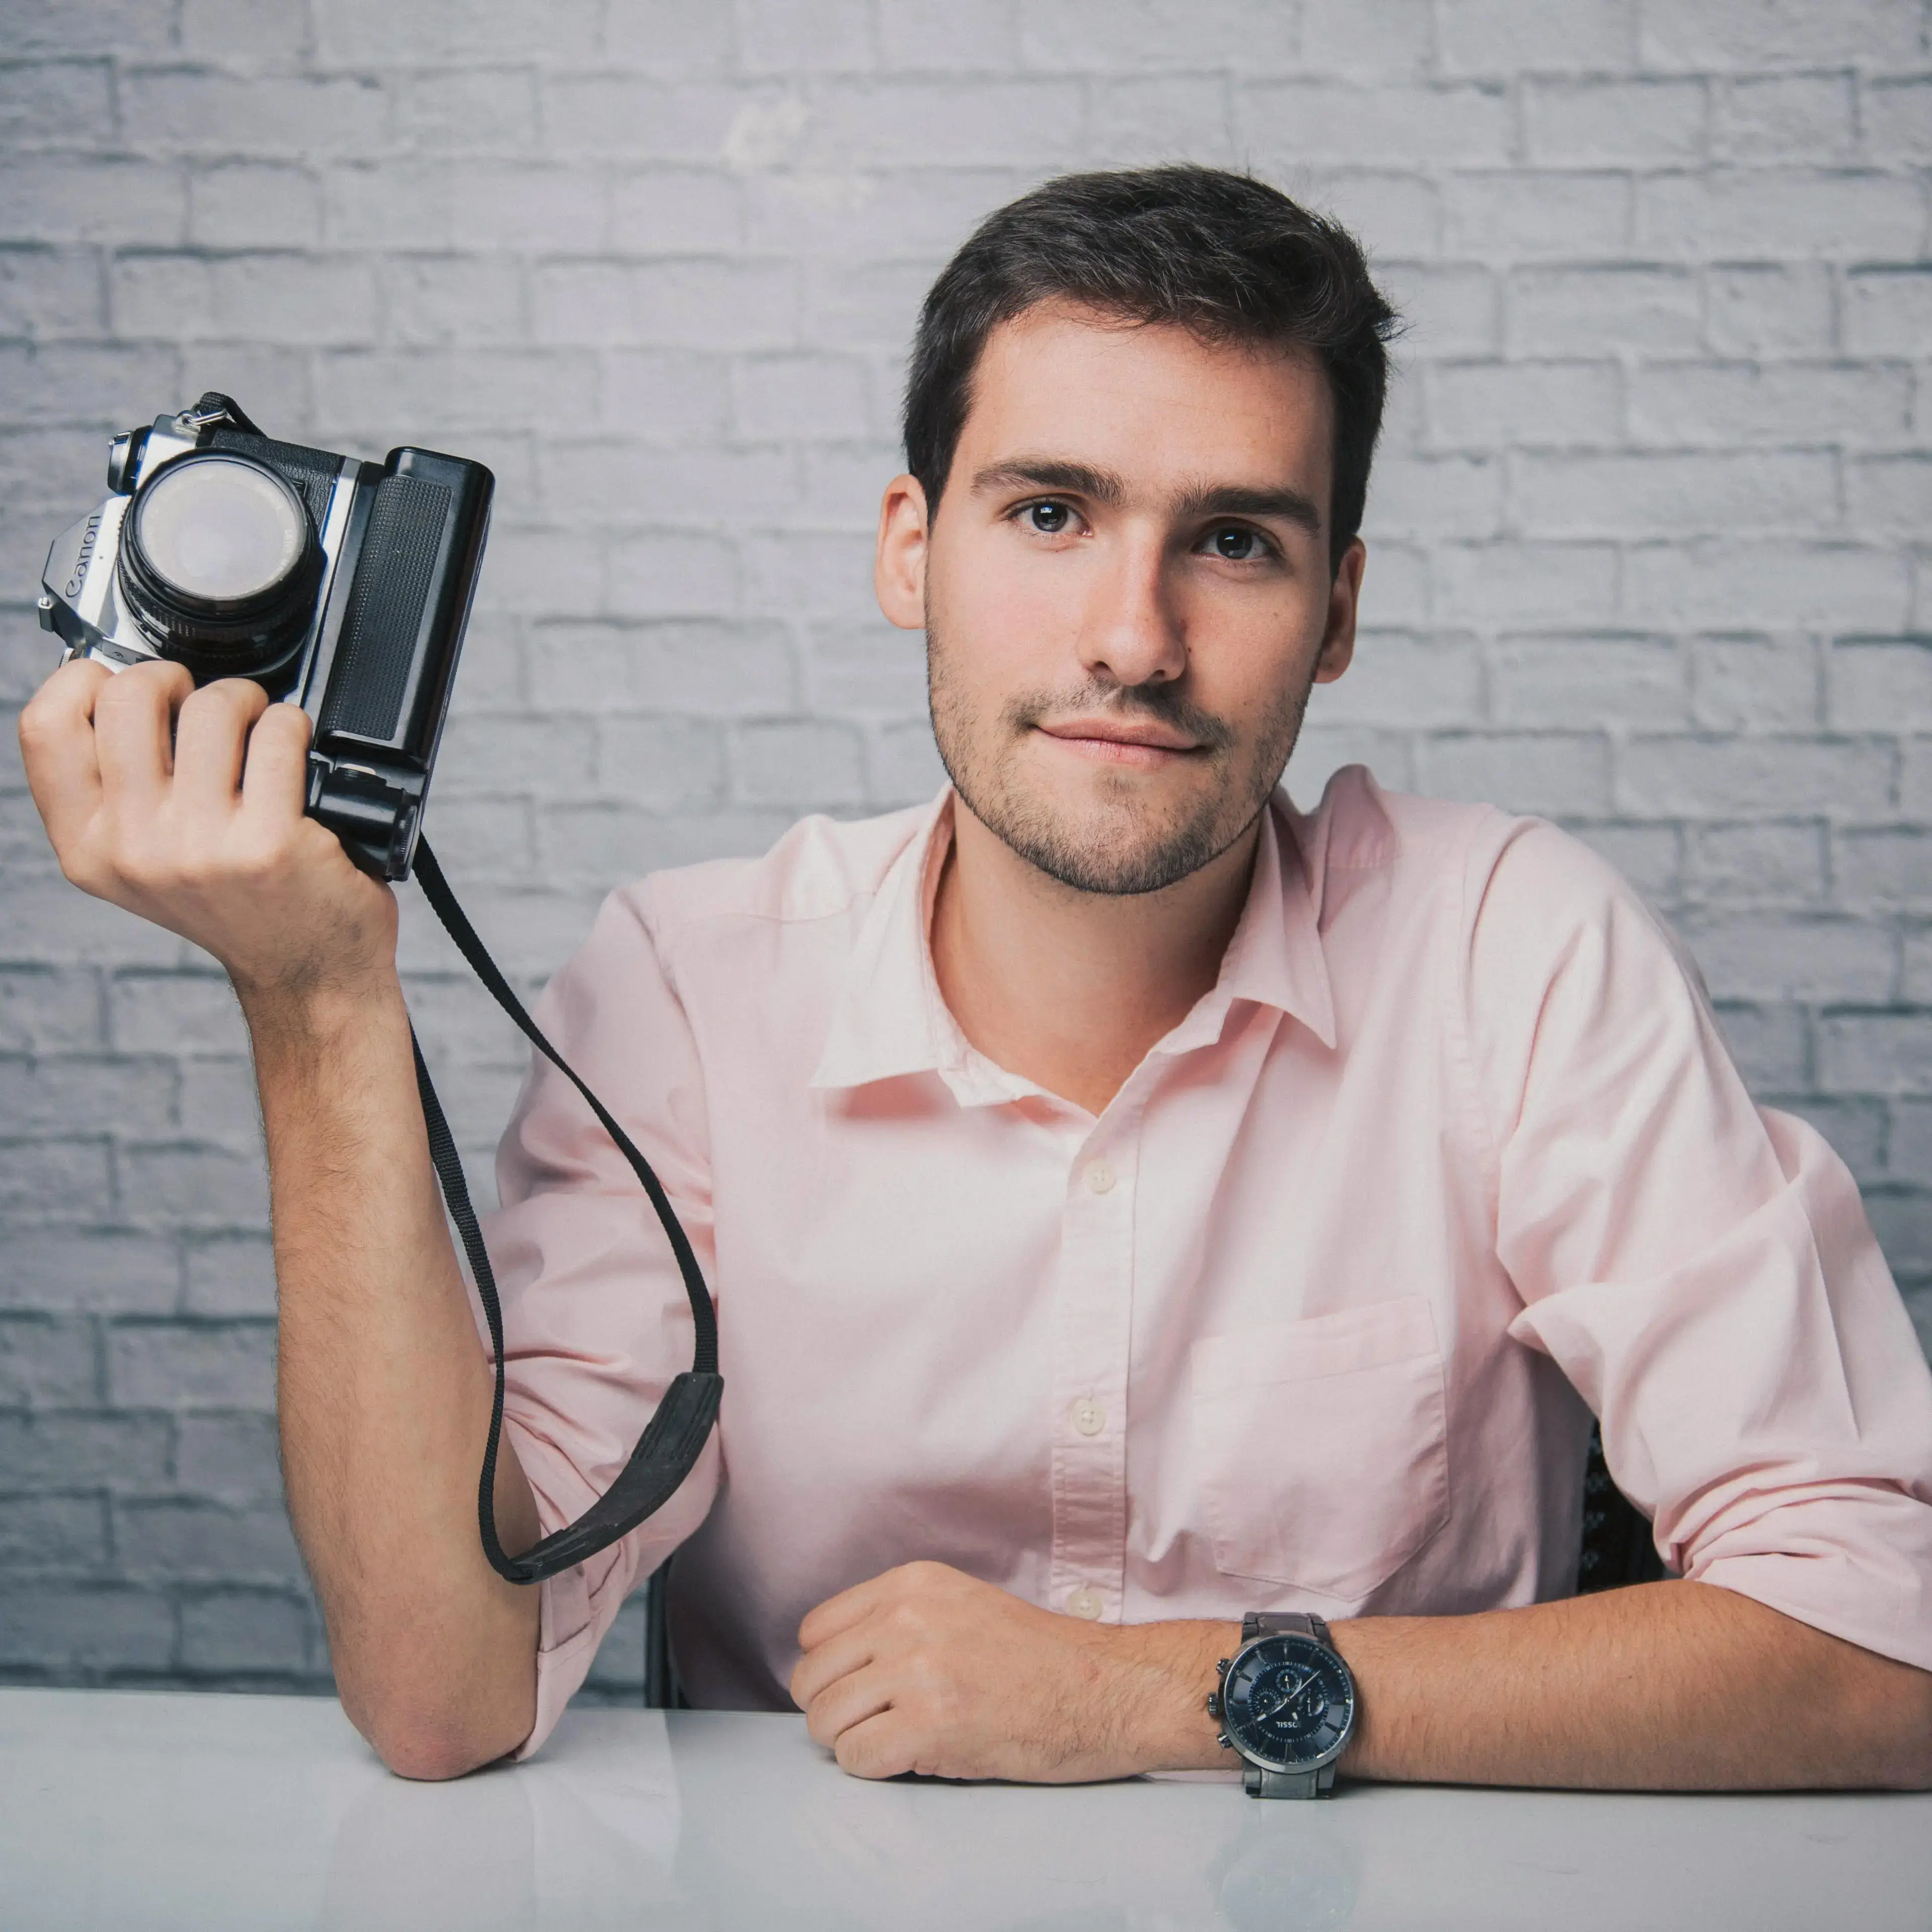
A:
(925, 1668)
(186, 807)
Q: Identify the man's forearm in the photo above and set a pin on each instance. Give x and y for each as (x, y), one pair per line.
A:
(1665, 1686)
(384, 1396)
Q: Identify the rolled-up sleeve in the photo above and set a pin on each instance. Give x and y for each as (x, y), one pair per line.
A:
(1701, 1269)
(595, 1319)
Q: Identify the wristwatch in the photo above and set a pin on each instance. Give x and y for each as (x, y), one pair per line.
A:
(1286, 1702)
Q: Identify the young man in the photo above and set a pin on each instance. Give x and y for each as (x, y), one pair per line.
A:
(1131, 1205)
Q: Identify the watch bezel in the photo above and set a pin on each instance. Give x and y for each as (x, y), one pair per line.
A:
(1296, 1766)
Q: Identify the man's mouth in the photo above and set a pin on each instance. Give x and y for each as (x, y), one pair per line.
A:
(1144, 743)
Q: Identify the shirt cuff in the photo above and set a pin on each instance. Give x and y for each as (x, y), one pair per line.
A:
(566, 1643)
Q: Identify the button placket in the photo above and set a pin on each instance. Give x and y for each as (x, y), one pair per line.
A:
(1092, 1331)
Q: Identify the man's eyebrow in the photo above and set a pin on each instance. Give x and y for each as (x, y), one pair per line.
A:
(1045, 472)
(1235, 499)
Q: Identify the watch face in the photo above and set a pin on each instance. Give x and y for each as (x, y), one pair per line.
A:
(1288, 1702)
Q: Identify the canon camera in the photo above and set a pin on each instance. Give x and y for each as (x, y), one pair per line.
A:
(340, 586)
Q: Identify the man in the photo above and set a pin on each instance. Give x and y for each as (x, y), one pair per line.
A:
(1130, 1204)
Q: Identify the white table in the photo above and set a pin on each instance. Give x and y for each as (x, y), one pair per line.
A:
(140, 1810)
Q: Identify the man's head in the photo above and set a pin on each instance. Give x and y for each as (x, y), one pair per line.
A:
(1147, 402)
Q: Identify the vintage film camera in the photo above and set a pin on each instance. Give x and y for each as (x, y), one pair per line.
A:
(345, 588)
(340, 586)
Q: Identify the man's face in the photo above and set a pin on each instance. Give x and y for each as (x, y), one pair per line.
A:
(1126, 592)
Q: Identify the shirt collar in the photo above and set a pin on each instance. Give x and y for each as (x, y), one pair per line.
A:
(890, 1019)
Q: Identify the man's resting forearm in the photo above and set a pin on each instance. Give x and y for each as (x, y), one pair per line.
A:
(384, 1395)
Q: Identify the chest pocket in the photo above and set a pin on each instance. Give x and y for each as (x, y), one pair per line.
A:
(1323, 1446)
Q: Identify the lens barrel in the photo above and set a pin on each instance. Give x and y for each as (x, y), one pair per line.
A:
(219, 564)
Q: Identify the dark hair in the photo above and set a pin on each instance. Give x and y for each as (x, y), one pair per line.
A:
(1221, 254)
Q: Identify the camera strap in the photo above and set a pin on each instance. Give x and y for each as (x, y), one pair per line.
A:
(677, 1433)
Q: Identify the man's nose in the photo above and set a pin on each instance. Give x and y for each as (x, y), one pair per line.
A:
(1131, 632)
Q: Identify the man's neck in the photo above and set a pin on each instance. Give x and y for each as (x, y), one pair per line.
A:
(1067, 988)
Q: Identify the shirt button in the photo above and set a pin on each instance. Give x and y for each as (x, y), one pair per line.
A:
(1100, 1177)
(1087, 1416)
(1085, 1602)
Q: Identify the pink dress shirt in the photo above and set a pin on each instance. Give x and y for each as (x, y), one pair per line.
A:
(1314, 1315)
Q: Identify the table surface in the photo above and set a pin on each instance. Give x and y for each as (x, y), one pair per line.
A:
(127, 1809)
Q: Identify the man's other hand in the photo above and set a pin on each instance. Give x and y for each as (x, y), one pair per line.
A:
(927, 1670)
(186, 807)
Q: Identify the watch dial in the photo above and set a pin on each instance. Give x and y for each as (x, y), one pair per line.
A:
(1288, 1701)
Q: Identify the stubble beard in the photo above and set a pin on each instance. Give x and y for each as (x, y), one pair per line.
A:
(1132, 845)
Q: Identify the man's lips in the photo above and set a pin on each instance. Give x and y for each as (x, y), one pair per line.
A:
(1114, 741)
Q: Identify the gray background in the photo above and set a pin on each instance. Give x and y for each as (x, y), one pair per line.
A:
(1647, 546)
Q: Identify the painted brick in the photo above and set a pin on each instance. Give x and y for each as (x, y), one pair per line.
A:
(250, 1630)
(1731, 777)
(1289, 122)
(1033, 123)
(1509, 37)
(253, 204)
(1746, 34)
(1645, 124)
(795, 762)
(40, 1009)
(1770, 309)
(199, 112)
(1780, 118)
(904, 766)
(53, 1535)
(451, 298)
(1763, 861)
(82, 1449)
(1144, 121)
(228, 1458)
(972, 36)
(194, 1541)
(1521, 216)
(1772, 956)
(1513, 585)
(1497, 405)
(1888, 311)
(72, 198)
(1885, 867)
(1897, 116)
(76, 1631)
(67, 1179)
(779, 37)
(1555, 774)
(90, 1270)
(47, 1361)
(44, 292)
(1719, 582)
(1563, 312)
(1880, 685)
(230, 1275)
(1405, 681)
(256, 29)
(1114, 35)
(468, 110)
(1745, 404)
(1671, 495)
(662, 764)
(1889, 496)
(1556, 681)
(1749, 684)
(353, 31)
(1781, 214)
(174, 1366)
(55, 102)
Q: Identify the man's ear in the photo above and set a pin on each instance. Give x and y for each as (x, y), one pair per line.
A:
(898, 567)
(1338, 639)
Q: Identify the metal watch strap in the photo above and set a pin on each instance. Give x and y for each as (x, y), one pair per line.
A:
(1257, 1782)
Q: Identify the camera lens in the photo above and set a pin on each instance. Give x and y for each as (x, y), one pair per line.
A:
(219, 564)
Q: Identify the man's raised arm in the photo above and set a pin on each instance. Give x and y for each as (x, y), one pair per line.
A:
(384, 1393)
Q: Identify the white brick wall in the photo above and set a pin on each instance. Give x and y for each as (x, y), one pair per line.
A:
(1648, 546)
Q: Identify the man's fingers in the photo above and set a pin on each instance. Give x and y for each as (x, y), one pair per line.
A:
(211, 738)
(851, 1701)
(839, 1613)
(58, 748)
(883, 1746)
(822, 1666)
(133, 729)
(275, 777)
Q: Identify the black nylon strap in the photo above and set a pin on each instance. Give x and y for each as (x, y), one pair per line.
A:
(676, 1434)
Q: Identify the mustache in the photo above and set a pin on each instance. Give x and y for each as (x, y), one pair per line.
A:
(1161, 703)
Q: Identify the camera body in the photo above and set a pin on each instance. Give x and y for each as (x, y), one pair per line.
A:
(341, 586)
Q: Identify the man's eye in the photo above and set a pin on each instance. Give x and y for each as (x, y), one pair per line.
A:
(1238, 544)
(1050, 519)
